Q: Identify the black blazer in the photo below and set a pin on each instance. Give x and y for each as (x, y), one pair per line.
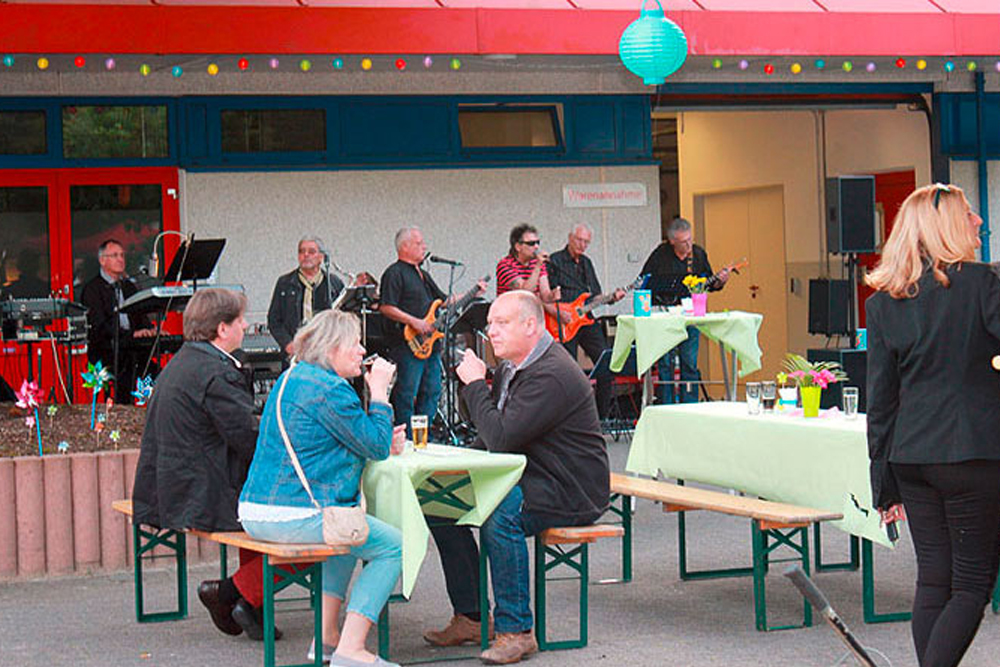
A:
(99, 297)
(197, 445)
(933, 396)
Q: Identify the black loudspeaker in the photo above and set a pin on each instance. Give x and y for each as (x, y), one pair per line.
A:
(829, 301)
(854, 364)
(850, 214)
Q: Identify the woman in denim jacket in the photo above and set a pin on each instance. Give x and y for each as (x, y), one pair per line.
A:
(333, 437)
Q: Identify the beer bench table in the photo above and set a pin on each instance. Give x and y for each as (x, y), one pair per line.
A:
(820, 463)
(309, 574)
(773, 525)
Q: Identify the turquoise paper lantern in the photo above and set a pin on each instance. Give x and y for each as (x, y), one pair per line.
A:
(652, 47)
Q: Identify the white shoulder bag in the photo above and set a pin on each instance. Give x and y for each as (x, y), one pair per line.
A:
(342, 526)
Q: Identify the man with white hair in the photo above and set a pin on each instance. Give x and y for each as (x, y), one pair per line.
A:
(407, 295)
(540, 405)
(572, 271)
(301, 293)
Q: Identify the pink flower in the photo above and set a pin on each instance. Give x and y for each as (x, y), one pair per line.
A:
(798, 375)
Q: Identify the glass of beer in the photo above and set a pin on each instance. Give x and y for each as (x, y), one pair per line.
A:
(768, 395)
(418, 425)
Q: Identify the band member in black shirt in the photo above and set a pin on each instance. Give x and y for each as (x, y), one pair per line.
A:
(667, 266)
(572, 271)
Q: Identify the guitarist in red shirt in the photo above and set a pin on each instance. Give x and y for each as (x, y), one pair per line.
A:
(573, 272)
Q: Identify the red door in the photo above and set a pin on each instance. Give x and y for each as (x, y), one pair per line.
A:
(51, 224)
(891, 189)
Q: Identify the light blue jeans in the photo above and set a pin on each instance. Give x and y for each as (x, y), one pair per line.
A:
(383, 553)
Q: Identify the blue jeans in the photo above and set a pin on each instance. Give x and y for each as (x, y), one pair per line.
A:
(418, 385)
(383, 553)
(503, 536)
(688, 351)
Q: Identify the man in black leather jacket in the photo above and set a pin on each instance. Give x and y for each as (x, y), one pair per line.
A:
(301, 293)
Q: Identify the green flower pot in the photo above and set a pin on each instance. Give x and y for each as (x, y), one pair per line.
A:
(810, 400)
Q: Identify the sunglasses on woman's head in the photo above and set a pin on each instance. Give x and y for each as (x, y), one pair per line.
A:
(939, 188)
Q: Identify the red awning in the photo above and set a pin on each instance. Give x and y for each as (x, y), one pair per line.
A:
(541, 27)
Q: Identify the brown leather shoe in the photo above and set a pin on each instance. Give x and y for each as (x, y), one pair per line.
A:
(460, 630)
(208, 593)
(510, 647)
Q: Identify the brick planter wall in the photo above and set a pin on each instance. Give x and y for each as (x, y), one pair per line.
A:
(56, 516)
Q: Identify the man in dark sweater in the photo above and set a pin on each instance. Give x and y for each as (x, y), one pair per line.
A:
(541, 406)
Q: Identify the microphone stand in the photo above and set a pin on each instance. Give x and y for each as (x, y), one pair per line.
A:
(449, 363)
(559, 326)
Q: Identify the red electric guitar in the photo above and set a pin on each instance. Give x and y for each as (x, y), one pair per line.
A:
(573, 316)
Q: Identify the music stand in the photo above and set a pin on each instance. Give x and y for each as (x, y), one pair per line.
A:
(195, 260)
(666, 290)
(473, 318)
(358, 299)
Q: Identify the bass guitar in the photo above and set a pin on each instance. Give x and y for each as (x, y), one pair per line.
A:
(423, 344)
(576, 315)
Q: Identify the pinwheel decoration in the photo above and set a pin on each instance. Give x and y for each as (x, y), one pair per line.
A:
(63, 447)
(96, 378)
(143, 390)
(27, 399)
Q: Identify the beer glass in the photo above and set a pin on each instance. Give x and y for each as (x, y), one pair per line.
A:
(768, 395)
(418, 425)
(753, 398)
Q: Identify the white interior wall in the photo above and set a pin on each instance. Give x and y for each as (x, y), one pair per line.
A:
(722, 151)
(466, 214)
(965, 174)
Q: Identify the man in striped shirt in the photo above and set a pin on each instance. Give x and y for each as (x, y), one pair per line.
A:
(524, 266)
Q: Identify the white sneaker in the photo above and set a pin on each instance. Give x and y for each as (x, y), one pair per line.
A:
(327, 652)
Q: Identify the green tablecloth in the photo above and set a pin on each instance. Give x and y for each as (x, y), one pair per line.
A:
(820, 463)
(393, 489)
(659, 333)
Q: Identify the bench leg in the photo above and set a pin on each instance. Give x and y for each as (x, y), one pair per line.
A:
(868, 590)
(690, 575)
(766, 541)
(575, 558)
(308, 576)
(223, 562)
(851, 564)
(624, 514)
(144, 541)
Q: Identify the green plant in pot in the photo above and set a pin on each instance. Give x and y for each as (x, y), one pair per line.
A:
(812, 377)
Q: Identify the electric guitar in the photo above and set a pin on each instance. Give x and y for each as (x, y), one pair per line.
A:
(576, 315)
(423, 344)
(735, 267)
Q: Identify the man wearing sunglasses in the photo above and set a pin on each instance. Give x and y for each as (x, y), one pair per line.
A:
(524, 266)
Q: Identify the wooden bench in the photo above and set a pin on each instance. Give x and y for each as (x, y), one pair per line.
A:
(773, 525)
(308, 574)
(569, 547)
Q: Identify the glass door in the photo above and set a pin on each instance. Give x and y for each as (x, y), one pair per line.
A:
(52, 223)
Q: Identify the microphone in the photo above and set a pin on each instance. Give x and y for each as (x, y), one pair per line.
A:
(442, 260)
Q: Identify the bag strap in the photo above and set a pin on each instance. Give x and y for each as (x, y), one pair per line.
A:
(288, 443)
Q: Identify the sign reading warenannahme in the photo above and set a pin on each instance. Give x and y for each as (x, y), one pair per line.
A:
(600, 195)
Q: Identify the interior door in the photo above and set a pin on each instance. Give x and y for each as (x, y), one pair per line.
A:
(51, 224)
(747, 224)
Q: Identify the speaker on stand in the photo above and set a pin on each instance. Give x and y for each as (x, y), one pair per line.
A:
(850, 229)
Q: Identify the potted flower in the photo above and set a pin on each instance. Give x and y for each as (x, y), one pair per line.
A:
(812, 377)
(698, 286)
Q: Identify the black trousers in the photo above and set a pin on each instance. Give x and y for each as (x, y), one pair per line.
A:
(592, 339)
(953, 511)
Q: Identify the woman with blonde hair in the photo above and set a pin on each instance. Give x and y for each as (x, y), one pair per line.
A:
(323, 424)
(934, 412)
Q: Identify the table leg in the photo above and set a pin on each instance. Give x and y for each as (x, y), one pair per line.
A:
(725, 373)
(868, 590)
